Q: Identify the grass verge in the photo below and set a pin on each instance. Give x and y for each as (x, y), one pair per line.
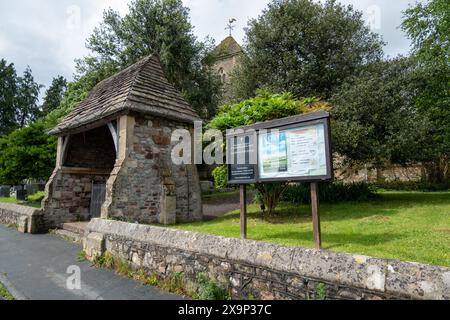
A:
(203, 288)
(22, 203)
(5, 294)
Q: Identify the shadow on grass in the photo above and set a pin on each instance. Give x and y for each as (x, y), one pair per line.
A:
(288, 214)
(386, 205)
(332, 239)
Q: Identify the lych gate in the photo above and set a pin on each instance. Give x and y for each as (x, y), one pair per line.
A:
(114, 154)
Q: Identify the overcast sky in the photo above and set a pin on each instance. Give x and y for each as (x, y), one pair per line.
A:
(48, 35)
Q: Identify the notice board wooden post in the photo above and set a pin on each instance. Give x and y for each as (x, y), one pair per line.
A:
(315, 215)
(243, 201)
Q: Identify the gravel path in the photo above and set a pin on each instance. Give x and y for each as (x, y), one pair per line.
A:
(215, 208)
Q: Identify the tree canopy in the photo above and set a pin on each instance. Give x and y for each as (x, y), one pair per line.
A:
(27, 153)
(27, 99)
(304, 47)
(8, 90)
(155, 27)
(428, 25)
(54, 94)
(19, 98)
(375, 119)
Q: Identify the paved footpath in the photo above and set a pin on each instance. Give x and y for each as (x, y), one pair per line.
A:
(35, 267)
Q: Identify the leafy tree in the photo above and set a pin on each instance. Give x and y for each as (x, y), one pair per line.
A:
(27, 153)
(375, 119)
(54, 95)
(304, 47)
(27, 109)
(76, 92)
(8, 90)
(264, 107)
(155, 27)
(428, 25)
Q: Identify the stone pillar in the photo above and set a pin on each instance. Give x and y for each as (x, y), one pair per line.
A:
(59, 153)
(126, 130)
(56, 173)
(168, 214)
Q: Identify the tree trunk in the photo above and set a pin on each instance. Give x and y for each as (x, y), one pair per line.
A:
(438, 171)
(271, 196)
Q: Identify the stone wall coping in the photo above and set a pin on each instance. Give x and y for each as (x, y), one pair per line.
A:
(392, 277)
(22, 210)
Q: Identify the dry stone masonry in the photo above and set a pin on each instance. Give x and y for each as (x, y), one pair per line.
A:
(145, 186)
(266, 271)
(26, 219)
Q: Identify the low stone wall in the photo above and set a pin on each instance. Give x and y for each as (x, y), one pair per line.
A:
(26, 219)
(265, 271)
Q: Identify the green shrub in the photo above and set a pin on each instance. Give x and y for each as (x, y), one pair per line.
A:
(329, 192)
(37, 197)
(264, 107)
(220, 175)
(321, 292)
(5, 294)
(82, 256)
(175, 283)
(106, 260)
(210, 289)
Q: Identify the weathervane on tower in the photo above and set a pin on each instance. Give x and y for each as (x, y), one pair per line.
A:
(230, 25)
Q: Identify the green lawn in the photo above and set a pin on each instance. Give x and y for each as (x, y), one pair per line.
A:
(24, 203)
(405, 226)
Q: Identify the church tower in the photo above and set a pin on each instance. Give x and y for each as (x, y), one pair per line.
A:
(227, 56)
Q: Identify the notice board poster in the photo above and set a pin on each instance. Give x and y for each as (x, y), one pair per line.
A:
(298, 152)
(242, 151)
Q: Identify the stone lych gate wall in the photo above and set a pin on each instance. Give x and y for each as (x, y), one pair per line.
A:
(88, 159)
(265, 271)
(94, 149)
(142, 183)
(68, 196)
(145, 186)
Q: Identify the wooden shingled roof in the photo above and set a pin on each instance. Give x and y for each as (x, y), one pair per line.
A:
(141, 88)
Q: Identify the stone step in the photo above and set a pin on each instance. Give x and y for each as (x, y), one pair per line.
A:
(70, 236)
(76, 227)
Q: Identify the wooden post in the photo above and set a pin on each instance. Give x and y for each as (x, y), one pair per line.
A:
(243, 206)
(315, 215)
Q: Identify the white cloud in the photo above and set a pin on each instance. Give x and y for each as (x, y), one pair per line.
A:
(4, 44)
(48, 35)
(210, 17)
